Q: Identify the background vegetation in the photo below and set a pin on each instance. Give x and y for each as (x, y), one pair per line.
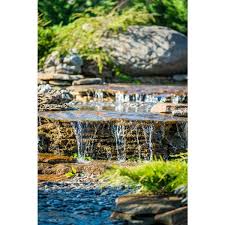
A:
(66, 24)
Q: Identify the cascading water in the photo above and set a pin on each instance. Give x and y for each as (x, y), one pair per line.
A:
(148, 131)
(98, 96)
(84, 146)
(118, 133)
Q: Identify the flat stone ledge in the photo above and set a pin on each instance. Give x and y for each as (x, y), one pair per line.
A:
(58, 76)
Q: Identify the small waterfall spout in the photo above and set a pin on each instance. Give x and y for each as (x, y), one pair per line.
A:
(148, 139)
(98, 96)
(85, 139)
(118, 133)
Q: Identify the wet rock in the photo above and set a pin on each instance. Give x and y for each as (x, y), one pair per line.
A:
(87, 81)
(167, 107)
(52, 100)
(180, 77)
(173, 217)
(180, 112)
(148, 50)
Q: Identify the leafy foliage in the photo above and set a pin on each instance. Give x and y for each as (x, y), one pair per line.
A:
(85, 33)
(80, 24)
(72, 173)
(45, 40)
(157, 176)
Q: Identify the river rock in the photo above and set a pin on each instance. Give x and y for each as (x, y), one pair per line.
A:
(88, 81)
(167, 107)
(173, 217)
(60, 82)
(148, 50)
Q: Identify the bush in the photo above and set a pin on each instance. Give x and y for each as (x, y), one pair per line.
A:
(45, 40)
(157, 176)
(84, 34)
(89, 20)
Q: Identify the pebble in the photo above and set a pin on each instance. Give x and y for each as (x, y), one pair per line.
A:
(77, 201)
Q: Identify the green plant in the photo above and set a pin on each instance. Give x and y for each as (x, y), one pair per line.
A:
(75, 155)
(82, 24)
(45, 40)
(158, 176)
(71, 173)
(85, 33)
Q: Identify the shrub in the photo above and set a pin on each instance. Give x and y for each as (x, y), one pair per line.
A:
(157, 176)
(85, 33)
(45, 40)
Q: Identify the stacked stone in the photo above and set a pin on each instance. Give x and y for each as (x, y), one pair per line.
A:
(58, 137)
(147, 209)
(52, 100)
(64, 71)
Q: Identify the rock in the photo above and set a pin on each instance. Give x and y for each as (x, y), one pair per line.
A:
(148, 50)
(173, 217)
(55, 76)
(167, 107)
(40, 82)
(44, 88)
(142, 209)
(180, 112)
(54, 100)
(70, 64)
(179, 99)
(88, 81)
(54, 159)
(52, 60)
(90, 69)
(60, 82)
(73, 60)
(146, 205)
(66, 69)
(51, 69)
(180, 77)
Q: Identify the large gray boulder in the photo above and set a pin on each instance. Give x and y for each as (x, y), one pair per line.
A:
(148, 50)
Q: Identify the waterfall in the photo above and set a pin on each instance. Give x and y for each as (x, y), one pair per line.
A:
(138, 143)
(148, 139)
(118, 133)
(85, 140)
(98, 96)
